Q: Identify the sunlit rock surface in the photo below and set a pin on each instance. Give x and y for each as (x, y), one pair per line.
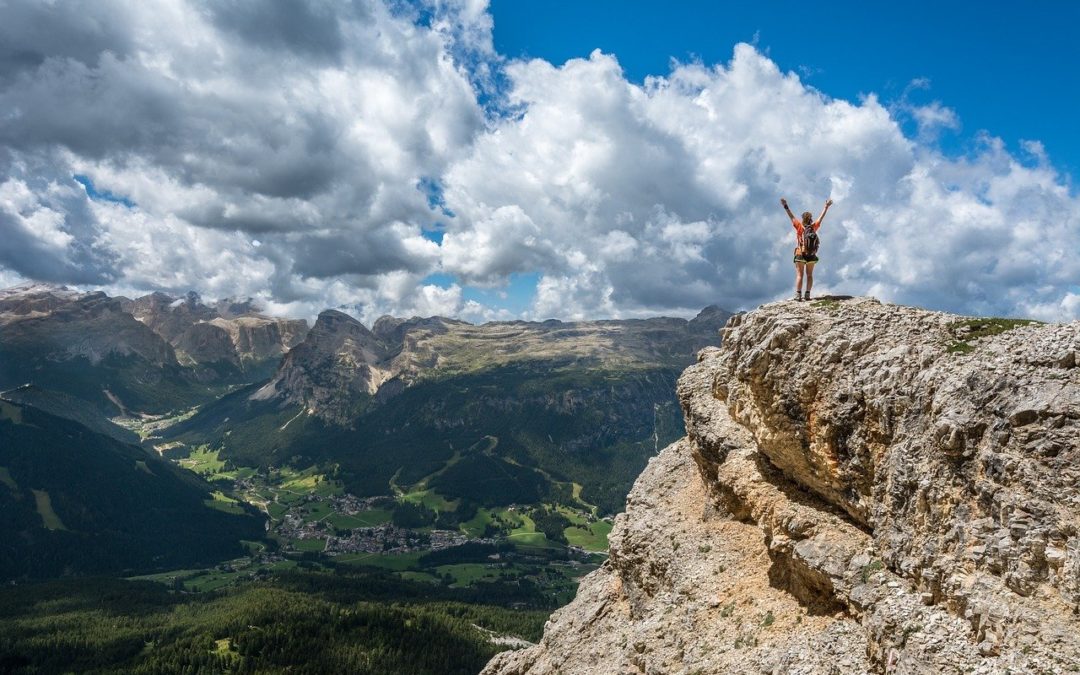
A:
(863, 488)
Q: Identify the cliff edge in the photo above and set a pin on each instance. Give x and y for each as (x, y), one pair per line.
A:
(863, 488)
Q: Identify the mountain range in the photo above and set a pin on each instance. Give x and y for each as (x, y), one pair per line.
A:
(494, 415)
(847, 486)
(584, 402)
(151, 355)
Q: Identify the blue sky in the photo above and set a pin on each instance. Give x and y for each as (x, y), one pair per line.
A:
(1003, 68)
(480, 160)
(1011, 68)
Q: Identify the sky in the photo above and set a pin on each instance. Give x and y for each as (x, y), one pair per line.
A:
(532, 160)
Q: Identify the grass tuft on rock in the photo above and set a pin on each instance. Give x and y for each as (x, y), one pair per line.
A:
(965, 330)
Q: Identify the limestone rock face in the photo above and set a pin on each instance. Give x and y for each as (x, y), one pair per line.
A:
(87, 346)
(226, 333)
(339, 363)
(258, 338)
(900, 493)
(58, 324)
(167, 316)
(686, 590)
(341, 366)
(203, 342)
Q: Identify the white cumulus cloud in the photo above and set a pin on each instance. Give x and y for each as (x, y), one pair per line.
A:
(663, 197)
(304, 153)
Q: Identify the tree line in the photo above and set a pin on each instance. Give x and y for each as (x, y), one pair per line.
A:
(301, 622)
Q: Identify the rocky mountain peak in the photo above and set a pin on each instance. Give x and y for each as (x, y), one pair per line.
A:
(863, 488)
(392, 330)
(231, 308)
(225, 334)
(342, 331)
(712, 316)
(88, 346)
(60, 323)
(167, 316)
(37, 299)
(336, 320)
(341, 362)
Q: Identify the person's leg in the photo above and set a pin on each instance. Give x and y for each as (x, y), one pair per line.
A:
(798, 279)
(809, 278)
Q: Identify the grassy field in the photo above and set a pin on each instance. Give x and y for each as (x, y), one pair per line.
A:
(210, 581)
(396, 562)
(317, 511)
(575, 490)
(230, 475)
(308, 481)
(202, 580)
(476, 525)
(589, 534)
(525, 534)
(591, 537)
(49, 519)
(522, 529)
(419, 576)
(222, 502)
(466, 574)
(203, 461)
(253, 547)
(168, 577)
(573, 516)
(431, 499)
(525, 538)
(369, 518)
(315, 545)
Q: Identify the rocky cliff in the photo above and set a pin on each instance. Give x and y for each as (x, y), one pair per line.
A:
(341, 364)
(87, 346)
(153, 354)
(228, 334)
(63, 324)
(863, 488)
(338, 363)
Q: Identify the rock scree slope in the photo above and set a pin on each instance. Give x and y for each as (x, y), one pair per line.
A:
(863, 488)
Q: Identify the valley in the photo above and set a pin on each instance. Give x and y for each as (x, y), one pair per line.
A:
(206, 459)
(417, 534)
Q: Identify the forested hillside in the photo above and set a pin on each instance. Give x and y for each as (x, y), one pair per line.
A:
(297, 623)
(73, 501)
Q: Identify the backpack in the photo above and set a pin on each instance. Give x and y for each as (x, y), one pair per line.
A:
(810, 241)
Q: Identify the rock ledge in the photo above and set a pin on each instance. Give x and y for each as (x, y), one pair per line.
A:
(863, 488)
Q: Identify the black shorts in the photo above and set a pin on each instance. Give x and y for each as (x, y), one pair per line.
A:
(808, 259)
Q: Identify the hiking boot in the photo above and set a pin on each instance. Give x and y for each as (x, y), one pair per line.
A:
(798, 296)
(806, 295)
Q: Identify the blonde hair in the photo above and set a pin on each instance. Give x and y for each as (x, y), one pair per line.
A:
(807, 218)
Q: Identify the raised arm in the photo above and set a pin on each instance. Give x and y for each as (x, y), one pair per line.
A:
(828, 203)
(789, 213)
